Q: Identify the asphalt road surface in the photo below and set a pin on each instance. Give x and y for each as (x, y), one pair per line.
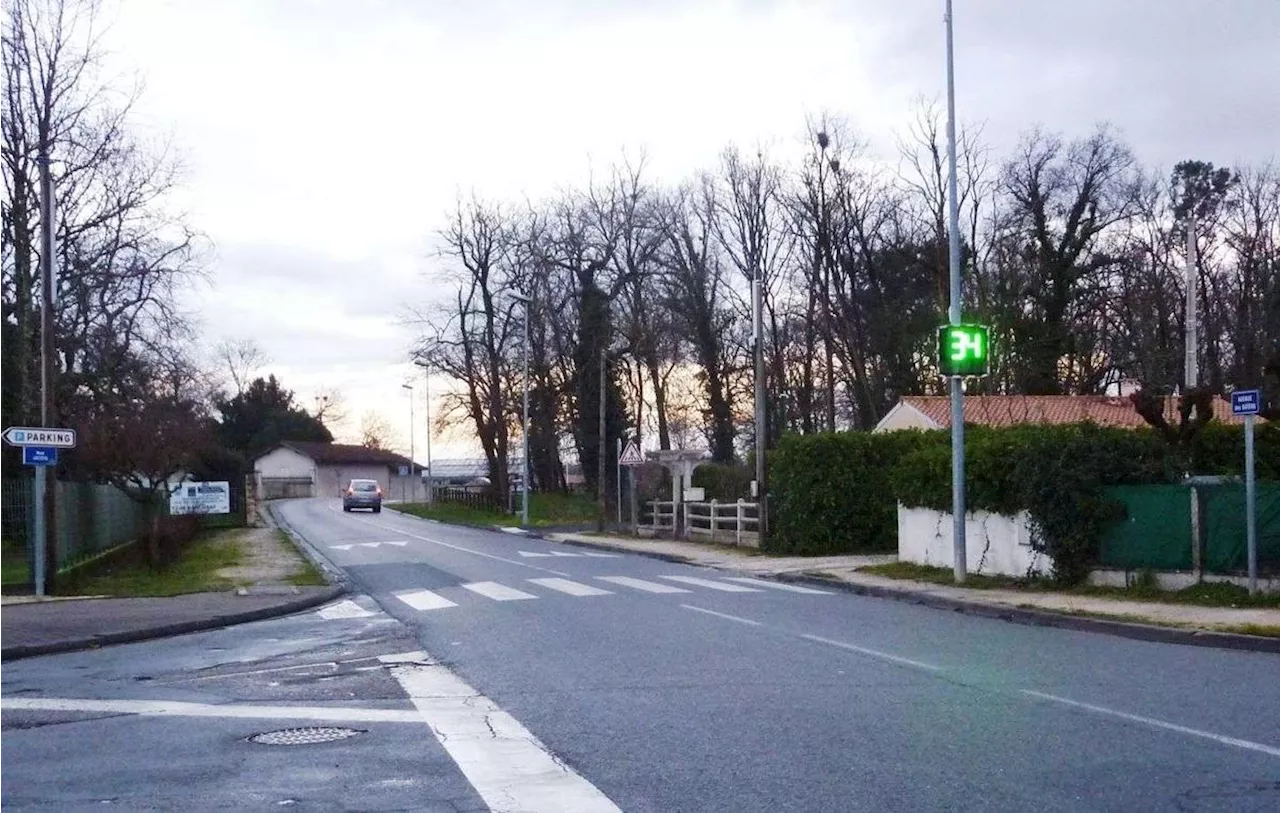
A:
(525, 675)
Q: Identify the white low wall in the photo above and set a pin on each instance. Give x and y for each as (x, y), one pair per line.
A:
(994, 544)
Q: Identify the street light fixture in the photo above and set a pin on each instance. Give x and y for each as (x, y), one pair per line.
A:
(412, 465)
(524, 429)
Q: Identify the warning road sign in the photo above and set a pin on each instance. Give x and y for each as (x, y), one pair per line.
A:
(631, 455)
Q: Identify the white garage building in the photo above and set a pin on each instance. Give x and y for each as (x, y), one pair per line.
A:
(311, 469)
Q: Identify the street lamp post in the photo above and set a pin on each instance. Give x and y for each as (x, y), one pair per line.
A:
(959, 553)
(412, 465)
(524, 429)
(427, 387)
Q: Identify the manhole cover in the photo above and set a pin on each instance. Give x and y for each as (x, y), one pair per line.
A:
(304, 736)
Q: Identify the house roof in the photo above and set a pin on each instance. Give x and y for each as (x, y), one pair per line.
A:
(1008, 410)
(333, 454)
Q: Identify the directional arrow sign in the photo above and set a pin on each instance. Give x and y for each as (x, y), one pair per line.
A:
(35, 436)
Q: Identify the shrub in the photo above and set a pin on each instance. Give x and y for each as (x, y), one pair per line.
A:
(723, 481)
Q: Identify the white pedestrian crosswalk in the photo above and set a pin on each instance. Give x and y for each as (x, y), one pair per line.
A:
(712, 585)
(426, 600)
(571, 587)
(498, 592)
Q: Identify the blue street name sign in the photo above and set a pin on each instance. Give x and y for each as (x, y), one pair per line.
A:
(1246, 402)
(39, 456)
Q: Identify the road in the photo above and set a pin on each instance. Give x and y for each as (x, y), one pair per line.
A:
(530, 675)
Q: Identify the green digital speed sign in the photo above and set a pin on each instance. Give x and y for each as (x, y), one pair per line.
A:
(963, 349)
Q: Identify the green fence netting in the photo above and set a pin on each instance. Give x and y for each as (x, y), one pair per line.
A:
(1156, 532)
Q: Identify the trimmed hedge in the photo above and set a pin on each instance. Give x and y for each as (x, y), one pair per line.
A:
(723, 481)
(830, 493)
(838, 493)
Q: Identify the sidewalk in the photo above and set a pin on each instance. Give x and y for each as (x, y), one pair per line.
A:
(31, 626)
(1146, 620)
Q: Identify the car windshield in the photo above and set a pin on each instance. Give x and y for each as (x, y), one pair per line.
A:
(364, 485)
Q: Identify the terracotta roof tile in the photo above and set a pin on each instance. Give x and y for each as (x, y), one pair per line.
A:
(1007, 410)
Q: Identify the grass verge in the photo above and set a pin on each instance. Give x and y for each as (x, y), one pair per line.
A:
(1205, 594)
(307, 574)
(194, 572)
(545, 511)
(15, 570)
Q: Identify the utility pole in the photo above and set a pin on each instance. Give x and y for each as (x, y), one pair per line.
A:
(603, 447)
(757, 335)
(1192, 367)
(524, 431)
(957, 382)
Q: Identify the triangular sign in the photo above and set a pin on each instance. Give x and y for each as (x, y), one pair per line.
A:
(631, 455)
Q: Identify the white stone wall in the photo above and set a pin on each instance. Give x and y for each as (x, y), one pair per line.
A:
(994, 544)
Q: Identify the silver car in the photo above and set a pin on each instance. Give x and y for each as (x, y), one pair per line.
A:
(363, 494)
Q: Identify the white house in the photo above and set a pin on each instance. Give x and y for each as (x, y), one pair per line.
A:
(311, 469)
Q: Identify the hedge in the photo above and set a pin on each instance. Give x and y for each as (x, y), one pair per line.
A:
(830, 493)
(723, 481)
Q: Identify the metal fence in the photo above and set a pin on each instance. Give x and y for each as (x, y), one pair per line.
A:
(475, 499)
(93, 518)
(239, 500)
(15, 533)
(286, 488)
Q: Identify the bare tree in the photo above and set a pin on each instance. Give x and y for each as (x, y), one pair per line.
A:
(241, 360)
(376, 432)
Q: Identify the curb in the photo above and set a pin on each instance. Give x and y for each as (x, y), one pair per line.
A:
(1049, 618)
(1015, 615)
(335, 575)
(674, 558)
(167, 630)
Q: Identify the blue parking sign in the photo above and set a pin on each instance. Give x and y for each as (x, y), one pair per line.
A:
(39, 456)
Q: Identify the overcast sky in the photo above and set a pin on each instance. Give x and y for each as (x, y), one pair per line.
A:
(325, 139)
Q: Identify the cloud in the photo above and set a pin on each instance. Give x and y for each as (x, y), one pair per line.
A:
(327, 140)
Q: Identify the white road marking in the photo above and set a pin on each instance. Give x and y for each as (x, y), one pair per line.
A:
(600, 555)
(791, 588)
(174, 708)
(343, 609)
(571, 587)
(875, 653)
(725, 616)
(370, 544)
(508, 766)
(641, 584)
(424, 600)
(498, 592)
(529, 554)
(342, 547)
(400, 544)
(508, 529)
(1269, 750)
(712, 585)
(566, 553)
(456, 547)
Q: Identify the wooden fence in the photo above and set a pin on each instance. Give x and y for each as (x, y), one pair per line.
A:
(736, 523)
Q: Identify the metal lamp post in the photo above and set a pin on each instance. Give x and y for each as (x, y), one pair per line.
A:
(412, 464)
(957, 383)
(524, 429)
(427, 387)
